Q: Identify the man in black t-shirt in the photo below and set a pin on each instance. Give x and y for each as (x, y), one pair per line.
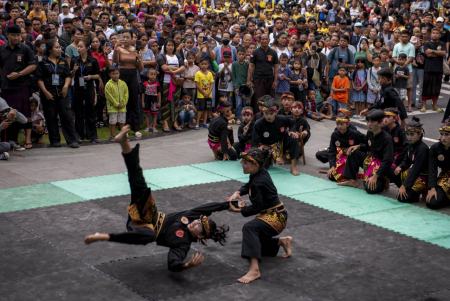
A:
(418, 65)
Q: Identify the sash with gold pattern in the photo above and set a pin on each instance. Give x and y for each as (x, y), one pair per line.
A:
(274, 217)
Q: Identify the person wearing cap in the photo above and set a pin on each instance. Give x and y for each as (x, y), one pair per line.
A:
(445, 33)
(277, 11)
(166, 31)
(17, 62)
(65, 14)
(356, 35)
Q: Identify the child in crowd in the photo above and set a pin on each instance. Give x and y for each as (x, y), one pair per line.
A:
(186, 109)
(339, 89)
(311, 109)
(359, 85)
(247, 58)
(299, 81)
(384, 59)
(284, 77)
(189, 76)
(116, 93)
(401, 79)
(287, 99)
(40, 48)
(218, 137)
(204, 82)
(322, 102)
(373, 83)
(245, 131)
(37, 121)
(151, 99)
(300, 121)
(224, 76)
(239, 71)
(260, 114)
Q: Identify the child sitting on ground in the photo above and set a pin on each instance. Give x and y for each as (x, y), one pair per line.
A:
(151, 100)
(287, 99)
(322, 103)
(186, 110)
(116, 93)
(37, 121)
(245, 131)
(311, 110)
(300, 121)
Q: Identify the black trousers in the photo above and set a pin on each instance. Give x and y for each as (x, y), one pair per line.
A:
(322, 156)
(354, 162)
(129, 76)
(262, 86)
(239, 148)
(12, 132)
(258, 240)
(412, 195)
(138, 186)
(84, 114)
(52, 108)
(441, 201)
(290, 145)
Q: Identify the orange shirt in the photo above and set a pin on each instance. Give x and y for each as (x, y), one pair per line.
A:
(341, 83)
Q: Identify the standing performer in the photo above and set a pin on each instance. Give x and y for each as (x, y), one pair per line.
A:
(377, 164)
(341, 140)
(278, 133)
(175, 230)
(439, 195)
(218, 134)
(258, 234)
(397, 133)
(412, 181)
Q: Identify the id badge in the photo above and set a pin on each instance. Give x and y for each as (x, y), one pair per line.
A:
(81, 82)
(55, 79)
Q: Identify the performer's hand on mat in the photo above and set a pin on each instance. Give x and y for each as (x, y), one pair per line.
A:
(236, 195)
(293, 135)
(195, 260)
(226, 157)
(397, 170)
(431, 194)
(331, 171)
(351, 149)
(372, 184)
(402, 193)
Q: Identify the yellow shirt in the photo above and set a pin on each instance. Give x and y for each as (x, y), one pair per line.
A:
(277, 16)
(323, 31)
(41, 15)
(204, 81)
(296, 16)
(309, 15)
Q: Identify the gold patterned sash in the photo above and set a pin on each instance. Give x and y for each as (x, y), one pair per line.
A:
(274, 217)
(443, 182)
(147, 216)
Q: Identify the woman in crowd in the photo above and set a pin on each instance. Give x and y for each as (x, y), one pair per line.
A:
(148, 58)
(71, 50)
(279, 45)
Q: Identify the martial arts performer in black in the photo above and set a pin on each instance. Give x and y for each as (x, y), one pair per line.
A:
(378, 163)
(175, 230)
(439, 194)
(218, 134)
(245, 131)
(412, 181)
(271, 217)
(388, 96)
(278, 133)
(397, 133)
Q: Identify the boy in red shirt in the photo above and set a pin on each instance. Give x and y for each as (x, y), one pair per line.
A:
(339, 90)
(191, 8)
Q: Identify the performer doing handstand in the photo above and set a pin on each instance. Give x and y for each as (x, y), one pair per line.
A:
(175, 230)
(258, 234)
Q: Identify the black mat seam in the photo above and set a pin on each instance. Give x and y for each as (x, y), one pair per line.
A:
(130, 257)
(101, 207)
(385, 250)
(85, 263)
(432, 294)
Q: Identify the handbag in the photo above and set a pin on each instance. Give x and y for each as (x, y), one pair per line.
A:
(446, 67)
(177, 81)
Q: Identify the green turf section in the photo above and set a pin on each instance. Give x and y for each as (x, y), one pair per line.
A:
(35, 196)
(420, 223)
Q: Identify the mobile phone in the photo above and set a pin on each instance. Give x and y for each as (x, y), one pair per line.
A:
(205, 39)
(421, 36)
(121, 36)
(138, 45)
(340, 60)
(364, 43)
(182, 40)
(108, 45)
(313, 47)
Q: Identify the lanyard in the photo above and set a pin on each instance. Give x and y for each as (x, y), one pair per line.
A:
(56, 66)
(82, 67)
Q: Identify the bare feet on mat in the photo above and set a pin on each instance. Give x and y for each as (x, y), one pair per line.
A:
(294, 171)
(95, 237)
(122, 136)
(252, 275)
(286, 243)
(351, 183)
(281, 162)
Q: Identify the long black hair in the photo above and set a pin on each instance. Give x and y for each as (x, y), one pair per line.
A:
(218, 233)
(49, 46)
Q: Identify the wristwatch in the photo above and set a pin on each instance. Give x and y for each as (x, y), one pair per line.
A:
(19, 74)
(432, 51)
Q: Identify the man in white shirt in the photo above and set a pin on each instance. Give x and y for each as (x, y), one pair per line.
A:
(354, 11)
(65, 14)
(104, 20)
(277, 29)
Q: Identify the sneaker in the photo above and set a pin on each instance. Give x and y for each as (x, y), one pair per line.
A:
(95, 141)
(18, 147)
(4, 156)
(56, 144)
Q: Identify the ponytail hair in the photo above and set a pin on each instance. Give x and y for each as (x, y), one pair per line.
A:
(415, 126)
(218, 233)
(87, 45)
(256, 156)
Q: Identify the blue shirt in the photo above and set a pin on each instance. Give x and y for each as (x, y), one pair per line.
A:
(346, 56)
(283, 85)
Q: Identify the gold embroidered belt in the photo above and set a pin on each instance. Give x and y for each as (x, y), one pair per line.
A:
(274, 217)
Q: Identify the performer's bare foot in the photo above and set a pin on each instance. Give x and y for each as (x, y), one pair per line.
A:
(252, 275)
(95, 237)
(281, 162)
(351, 183)
(286, 243)
(122, 136)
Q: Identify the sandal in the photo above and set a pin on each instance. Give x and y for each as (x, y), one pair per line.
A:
(138, 134)
(166, 130)
(26, 144)
(196, 128)
(438, 110)
(423, 110)
(112, 139)
(155, 130)
(177, 128)
(410, 111)
(147, 130)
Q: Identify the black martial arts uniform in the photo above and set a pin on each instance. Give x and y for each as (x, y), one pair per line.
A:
(258, 116)
(400, 141)
(218, 133)
(258, 234)
(169, 230)
(417, 155)
(299, 122)
(343, 141)
(243, 140)
(282, 112)
(274, 133)
(322, 155)
(389, 99)
(381, 147)
(439, 158)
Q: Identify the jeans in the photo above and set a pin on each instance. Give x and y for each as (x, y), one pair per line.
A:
(186, 117)
(4, 147)
(336, 105)
(417, 79)
(239, 106)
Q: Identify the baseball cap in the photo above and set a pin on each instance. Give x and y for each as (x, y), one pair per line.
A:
(226, 54)
(440, 19)
(343, 22)
(358, 25)
(167, 23)
(65, 4)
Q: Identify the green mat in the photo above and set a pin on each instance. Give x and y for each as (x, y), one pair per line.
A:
(420, 223)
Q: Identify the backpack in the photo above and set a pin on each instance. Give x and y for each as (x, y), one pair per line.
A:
(335, 53)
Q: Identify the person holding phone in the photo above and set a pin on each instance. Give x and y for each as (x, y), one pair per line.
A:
(85, 70)
(342, 52)
(364, 52)
(129, 61)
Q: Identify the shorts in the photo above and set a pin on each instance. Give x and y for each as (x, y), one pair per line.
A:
(150, 103)
(204, 104)
(117, 117)
(401, 93)
(320, 105)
